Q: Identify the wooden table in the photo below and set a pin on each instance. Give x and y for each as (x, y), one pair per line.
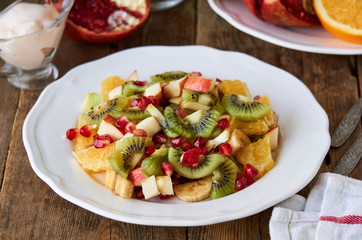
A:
(30, 209)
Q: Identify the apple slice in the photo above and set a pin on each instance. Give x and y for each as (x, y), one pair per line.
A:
(222, 138)
(194, 106)
(134, 76)
(115, 92)
(137, 176)
(205, 99)
(200, 84)
(164, 185)
(149, 187)
(150, 125)
(108, 126)
(176, 100)
(174, 88)
(273, 134)
(153, 90)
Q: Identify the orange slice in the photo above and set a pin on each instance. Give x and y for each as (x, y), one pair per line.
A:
(109, 83)
(343, 19)
(95, 159)
(235, 87)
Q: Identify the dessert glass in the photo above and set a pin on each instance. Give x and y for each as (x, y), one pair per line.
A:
(28, 57)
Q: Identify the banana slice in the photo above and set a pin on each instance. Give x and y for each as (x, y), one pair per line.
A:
(194, 191)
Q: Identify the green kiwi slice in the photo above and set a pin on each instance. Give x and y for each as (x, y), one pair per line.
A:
(112, 107)
(206, 165)
(168, 76)
(189, 95)
(128, 153)
(130, 88)
(243, 108)
(153, 111)
(216, 104)
(203, 122)
(135, 113)
(91, 100)
(177, 124)
(152, 164)
(193, 96)
(223, 179)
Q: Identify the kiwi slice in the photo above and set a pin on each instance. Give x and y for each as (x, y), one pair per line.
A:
(135, 113)
(223, 179)
(174, 106)
(243, 108)
(130, 88)
(112, 107)
(216, 104)
(91, 100)
(168, 76)
(203, 122)
(128, 153)
(177, 124)
(193, 96)
(207, 164)
(189, 95)
(152, 164)
(153, 111)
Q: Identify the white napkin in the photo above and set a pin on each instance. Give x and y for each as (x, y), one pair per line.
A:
(333, 210)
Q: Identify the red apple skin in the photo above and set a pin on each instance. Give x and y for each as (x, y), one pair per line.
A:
(137, 176)
(274, 12)
(109, 119)
(198, 84)
(113, 131)
(191, 158)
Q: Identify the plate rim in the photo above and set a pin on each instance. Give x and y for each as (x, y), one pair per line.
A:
(49, 90)
(280, 42)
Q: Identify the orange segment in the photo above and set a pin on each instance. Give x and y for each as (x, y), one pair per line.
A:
(95, 159)
(109, 83)
(258, 155)
(270, 118)
(235, 87)
(343, 19)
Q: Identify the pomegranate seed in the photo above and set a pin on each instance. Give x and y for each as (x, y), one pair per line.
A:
(177, 141)
(249, 181)
(187, 146)
(144, 102)
(139, 193)
(130, 127)
(214, 150)
(140, 83)
(218, 80)
(257, 97)
(223, 123)
(102, 141)
(72, 133)
(241, 183)
(150, 149)
(226, 149)
(139, 133)
(250, 171)
(191, 158)
(175, 180)
(200, 142)
(159, 138)
(166, 168)
(181, 112)
(164, 197)
(86, 130)
(155, 101)
(135, 103)
(196, 74)
(204, 152)
(121, 122)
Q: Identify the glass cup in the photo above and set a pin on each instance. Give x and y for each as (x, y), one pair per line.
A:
(157, 5)
(28, 57)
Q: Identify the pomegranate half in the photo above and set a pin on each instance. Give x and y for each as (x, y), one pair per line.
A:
(291, 13)
(103, 21)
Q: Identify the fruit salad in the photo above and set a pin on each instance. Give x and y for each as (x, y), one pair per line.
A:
(180, 134)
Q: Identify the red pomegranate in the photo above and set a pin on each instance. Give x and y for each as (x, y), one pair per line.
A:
(292, 13)
(103, 21)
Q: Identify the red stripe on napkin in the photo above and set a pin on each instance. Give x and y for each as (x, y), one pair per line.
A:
(349, 219)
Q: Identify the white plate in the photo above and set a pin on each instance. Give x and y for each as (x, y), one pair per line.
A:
(304, 122)
(316, 39)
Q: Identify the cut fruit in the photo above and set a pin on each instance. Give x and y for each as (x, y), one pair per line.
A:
(108, 126)
(191, 157)
(270, 119)
(137, 176)
(177, 124)
(273, 135)
(95, 159)
(194, 106)
(206, 166)
(123, 187)
(203, 122)
(222, 138)
(258, 127)
(194, 191)
(110, 83)
(91, 100)
(153, 111)
(199, 84)
(235, 87)
(164, 185)
(343, 19)
(154, 90)
(149, 188)
(130, 88)
(223, 179)
(150, 125)
(258, 155)
(168, 76)
(115, 92)
(134, 113)
(244, 108)
(152, 164)
(238, 140)
(173, 88)
(128, 153)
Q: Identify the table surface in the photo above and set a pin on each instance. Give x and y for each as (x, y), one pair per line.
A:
(30, 209)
